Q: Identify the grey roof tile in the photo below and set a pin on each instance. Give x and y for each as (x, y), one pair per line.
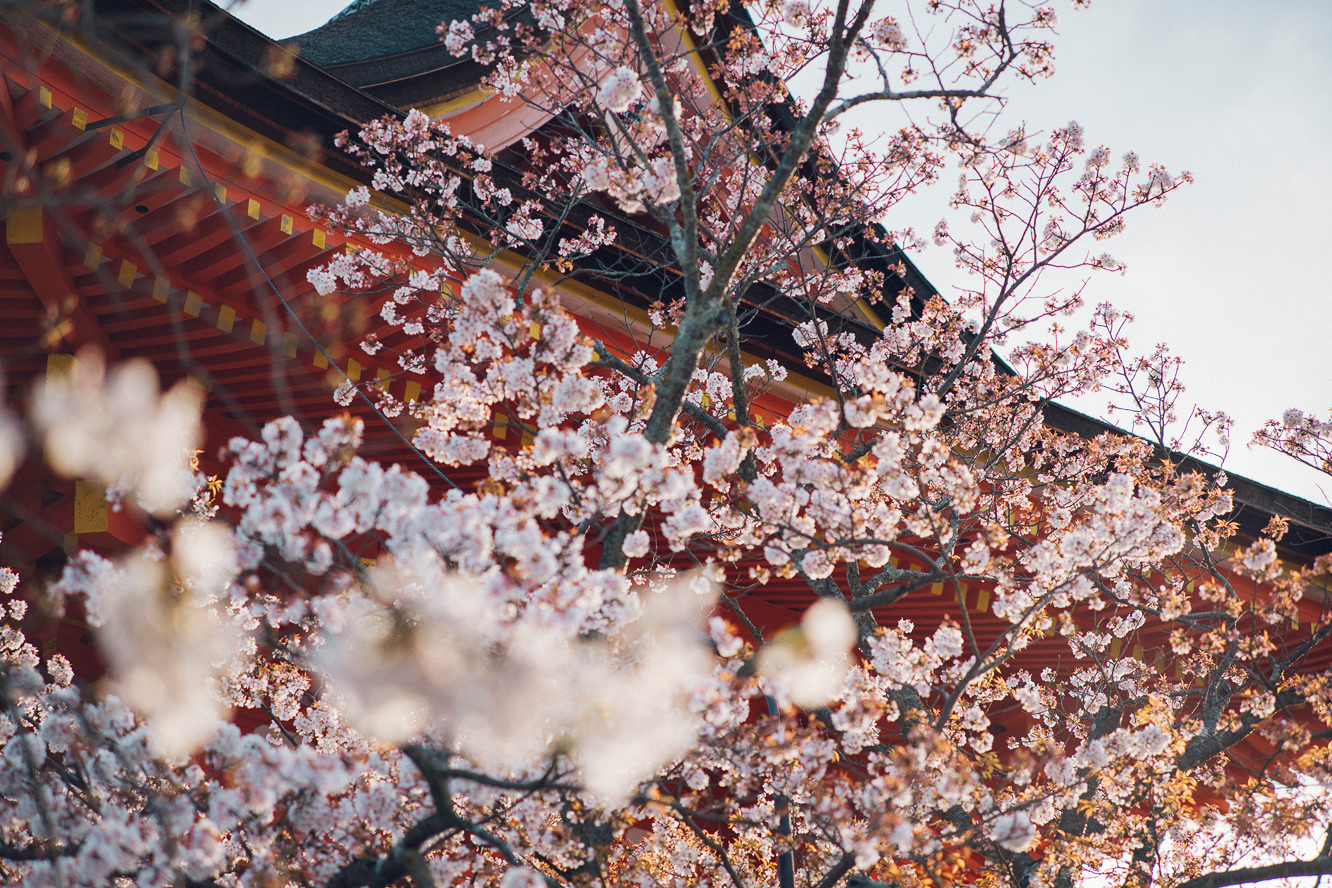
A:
(370, 29)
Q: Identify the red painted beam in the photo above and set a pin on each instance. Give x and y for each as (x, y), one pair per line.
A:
(34, 244)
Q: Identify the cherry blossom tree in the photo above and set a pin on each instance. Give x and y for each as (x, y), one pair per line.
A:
(569, 672)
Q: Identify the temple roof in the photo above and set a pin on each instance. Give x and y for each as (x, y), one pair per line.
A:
(300, 105)
(390, 48)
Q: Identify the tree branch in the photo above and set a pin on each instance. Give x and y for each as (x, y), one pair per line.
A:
(1318, 866)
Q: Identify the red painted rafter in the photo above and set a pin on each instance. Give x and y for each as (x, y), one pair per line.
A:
(34, 244)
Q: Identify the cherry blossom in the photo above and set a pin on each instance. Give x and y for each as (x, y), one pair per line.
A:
(118, 427)
(770, 572)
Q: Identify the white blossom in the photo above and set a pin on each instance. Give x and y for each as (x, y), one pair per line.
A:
(116, 426)
(619, 90)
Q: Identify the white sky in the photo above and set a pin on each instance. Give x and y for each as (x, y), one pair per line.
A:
(1234, 272)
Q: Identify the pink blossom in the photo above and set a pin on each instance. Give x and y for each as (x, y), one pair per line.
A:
(619, 90)
(1013, 831)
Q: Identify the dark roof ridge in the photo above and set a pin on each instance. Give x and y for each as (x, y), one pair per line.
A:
(244, 75)
(379, 29)
(1255, 503)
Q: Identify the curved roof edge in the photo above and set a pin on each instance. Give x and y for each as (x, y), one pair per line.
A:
(241, 73)
(368, 30)
(390, 49)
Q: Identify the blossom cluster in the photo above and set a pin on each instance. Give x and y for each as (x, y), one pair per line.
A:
(644, 608)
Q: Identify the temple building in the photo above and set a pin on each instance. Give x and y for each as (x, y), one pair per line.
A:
(160, 157)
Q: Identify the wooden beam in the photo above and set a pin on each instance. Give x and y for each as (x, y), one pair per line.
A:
(35, 246)
(34, 109)
(211, 229)
(297, 251)
(230, 256)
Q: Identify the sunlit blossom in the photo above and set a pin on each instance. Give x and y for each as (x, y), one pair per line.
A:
(115, 425)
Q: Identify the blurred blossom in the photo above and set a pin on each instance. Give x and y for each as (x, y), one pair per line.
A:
(203, 555)
(11, 446)
(438, 650)
(165, 637)
(118, 428)
(1013, 831)
(808, 663)
(631, 718)
(522, 877)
